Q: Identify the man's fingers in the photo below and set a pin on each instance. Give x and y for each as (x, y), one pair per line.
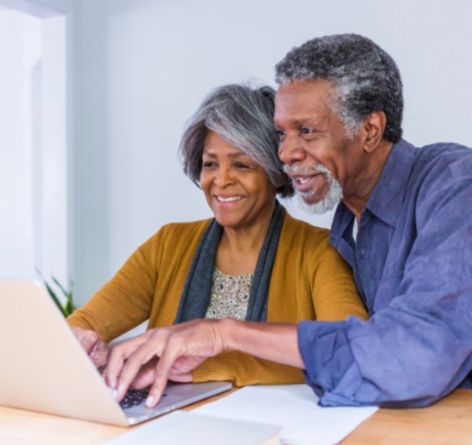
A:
(145, 376)
(180, 377)
(172, 351)
(119, 353)
(114, 365)
(132, 366)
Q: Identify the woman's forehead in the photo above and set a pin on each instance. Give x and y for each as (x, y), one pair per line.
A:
(215, 144)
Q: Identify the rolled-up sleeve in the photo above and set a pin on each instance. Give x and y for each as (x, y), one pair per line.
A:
(418, 347)
(326, 354)
(382, 362)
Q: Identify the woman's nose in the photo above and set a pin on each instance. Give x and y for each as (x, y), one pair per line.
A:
(223, 177)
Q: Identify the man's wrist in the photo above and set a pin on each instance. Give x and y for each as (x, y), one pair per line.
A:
(226, 328)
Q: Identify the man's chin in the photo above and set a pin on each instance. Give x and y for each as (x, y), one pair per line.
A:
(316, 205)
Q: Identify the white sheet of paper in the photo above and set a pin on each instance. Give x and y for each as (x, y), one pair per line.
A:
(295, 408)
(182, 427)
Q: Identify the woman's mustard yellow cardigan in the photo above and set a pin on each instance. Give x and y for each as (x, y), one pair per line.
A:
(309, 281)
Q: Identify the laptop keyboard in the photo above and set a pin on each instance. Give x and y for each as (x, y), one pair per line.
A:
(135, 397)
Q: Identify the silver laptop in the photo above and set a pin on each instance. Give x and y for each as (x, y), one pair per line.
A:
(43, 367)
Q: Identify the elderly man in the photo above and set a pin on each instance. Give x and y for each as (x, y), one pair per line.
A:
(402, 223)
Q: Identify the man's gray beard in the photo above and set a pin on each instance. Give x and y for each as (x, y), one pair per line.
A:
(332, 198)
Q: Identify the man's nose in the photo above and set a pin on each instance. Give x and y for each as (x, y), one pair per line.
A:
(291, 150)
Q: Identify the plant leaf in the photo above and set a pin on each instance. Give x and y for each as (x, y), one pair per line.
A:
(59, 285)
(53, 295)
(68, 307)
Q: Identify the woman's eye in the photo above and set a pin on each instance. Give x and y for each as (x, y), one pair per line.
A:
(208, 164)
(280, 134)
(242, 165)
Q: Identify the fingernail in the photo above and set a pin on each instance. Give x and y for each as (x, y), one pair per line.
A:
(114, 393)
(150, 401)
(121, 390)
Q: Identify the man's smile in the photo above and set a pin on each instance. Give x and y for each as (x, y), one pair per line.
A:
(307, 183)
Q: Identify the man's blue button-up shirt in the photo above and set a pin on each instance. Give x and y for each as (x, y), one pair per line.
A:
(412, 263)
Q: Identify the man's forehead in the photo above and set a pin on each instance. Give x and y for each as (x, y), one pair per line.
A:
(302, 99)
(304, 89)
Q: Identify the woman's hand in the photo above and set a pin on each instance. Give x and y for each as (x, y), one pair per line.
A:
(179, 348)
(95, 347)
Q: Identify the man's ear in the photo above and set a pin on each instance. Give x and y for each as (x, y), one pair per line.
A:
(373, 130)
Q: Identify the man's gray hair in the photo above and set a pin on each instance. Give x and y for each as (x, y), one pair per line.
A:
(243, 116)
(365, 77)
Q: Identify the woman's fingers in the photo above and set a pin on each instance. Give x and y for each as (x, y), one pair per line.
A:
(86, 337)
(99, 353)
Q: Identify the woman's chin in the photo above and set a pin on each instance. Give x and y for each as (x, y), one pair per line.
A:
(227, 223)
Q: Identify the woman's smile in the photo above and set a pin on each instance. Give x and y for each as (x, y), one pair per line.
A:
(228, 198)
(237, 188)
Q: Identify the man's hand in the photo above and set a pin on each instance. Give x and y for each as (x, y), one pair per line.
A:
(180, 349)
(95, 347)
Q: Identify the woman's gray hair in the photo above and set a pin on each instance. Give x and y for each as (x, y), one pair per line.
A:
(365, 77)
(243, 116)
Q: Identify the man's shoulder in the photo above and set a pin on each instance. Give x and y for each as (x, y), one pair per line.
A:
(442, 175)
(450, 158)
(436, 165)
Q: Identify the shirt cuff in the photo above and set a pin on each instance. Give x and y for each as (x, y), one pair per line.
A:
(327, 356)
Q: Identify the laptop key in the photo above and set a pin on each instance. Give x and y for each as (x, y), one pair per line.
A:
(135, 397)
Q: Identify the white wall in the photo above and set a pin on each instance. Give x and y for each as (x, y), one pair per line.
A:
(143, 66)
(33, 184)
(20, 50)
(51, 180)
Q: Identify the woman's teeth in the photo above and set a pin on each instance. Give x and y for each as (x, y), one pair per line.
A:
(228, 198)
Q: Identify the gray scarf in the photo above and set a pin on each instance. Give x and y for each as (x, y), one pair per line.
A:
(197, 290)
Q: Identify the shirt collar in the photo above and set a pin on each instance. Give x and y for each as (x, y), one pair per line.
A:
(387, 196)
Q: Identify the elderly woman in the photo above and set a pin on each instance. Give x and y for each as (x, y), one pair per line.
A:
(252, 261)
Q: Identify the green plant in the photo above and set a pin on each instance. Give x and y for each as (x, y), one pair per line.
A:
(64, 303)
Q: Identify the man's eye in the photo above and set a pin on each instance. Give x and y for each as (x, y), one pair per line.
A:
(305, 130)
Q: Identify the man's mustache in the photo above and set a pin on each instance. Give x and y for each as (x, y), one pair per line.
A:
(296, 169)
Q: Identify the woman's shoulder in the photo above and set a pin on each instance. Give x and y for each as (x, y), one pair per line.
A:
(304, 231)
(185, 226)
(309, 243)
(182, 230)
(174, 237)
